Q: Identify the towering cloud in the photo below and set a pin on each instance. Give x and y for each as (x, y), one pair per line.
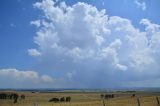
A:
(82, 41)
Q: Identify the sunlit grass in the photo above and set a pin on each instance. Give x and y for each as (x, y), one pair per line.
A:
(80, 99)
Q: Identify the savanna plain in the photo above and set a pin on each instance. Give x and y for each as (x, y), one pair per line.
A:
(81, 98)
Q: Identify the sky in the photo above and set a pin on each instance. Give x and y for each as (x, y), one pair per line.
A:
(79, 43)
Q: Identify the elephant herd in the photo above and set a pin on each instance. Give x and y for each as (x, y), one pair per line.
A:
(62, 99)
(11, 96)
(107, 96)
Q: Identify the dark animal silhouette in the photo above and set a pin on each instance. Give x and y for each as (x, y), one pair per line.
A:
(133, 95)
(22, 96)
(54, 100)
(112, 95)
(68, 99)
(62, 99)
(107, 96)
(102, 96)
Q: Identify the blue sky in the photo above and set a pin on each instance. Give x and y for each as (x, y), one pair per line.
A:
(75, 43)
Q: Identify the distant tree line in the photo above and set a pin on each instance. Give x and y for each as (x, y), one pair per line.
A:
(61, 99)
(11, 96)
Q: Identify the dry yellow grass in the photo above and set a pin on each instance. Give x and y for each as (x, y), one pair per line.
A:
(80, 99)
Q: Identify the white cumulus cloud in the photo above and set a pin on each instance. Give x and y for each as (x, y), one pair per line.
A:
(34, 52)
(93, 44)
(23, 79)
(141, 4)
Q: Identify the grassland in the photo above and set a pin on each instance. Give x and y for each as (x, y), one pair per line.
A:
(84, 99)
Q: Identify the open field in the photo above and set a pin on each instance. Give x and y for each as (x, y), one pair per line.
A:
(84, 99)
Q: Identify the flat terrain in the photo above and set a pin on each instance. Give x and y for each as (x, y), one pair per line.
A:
(84, 99)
